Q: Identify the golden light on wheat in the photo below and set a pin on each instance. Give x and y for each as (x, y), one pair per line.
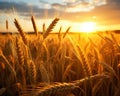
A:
(59, 64)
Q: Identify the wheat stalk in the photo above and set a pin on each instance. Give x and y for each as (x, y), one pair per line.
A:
(34, 25)
(66, 32)
(7, 63)
(108, 68)
(59, 33)
(20, 30)
(67, 71)
(43, 28)
(7, 24)
(44, 74)
(47, 51)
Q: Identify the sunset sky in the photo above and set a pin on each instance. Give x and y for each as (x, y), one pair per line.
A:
(105, 13)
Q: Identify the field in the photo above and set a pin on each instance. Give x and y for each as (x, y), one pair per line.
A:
(62, 64)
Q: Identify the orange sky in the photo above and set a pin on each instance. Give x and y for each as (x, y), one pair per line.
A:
(72, 14)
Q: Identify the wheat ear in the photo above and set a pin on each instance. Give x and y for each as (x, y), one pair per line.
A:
(32, 74)
(20, 70)
(64, 87)
(20, 30)
(50, 28)
(85, 64)
(34, 25)
(19, 52)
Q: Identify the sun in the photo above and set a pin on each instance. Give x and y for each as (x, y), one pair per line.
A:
(88, 27)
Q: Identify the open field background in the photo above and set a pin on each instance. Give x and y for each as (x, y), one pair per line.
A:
(63, 64)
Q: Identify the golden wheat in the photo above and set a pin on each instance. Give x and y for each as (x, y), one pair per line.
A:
(19, 53)
(66, 32)
(34, 25)
(59, 61)
(59, 33)
(43, 28)
(31, 67)
(44, 74)
(20, 30)
(85, 64)
(7, 63)
(64, 87)
(50, 28)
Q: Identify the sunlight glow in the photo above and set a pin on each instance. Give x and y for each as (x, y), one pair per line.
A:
(88, 27)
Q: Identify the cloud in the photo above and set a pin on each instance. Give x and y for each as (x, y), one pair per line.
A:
(78, 5)
(72, 7)
(76, 12)
(20, 7)
(68, 6)
(69, 1)
(25, 9)
(113, 1)
(42, 1)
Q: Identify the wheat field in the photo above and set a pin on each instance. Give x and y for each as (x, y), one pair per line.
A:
(61, 64)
